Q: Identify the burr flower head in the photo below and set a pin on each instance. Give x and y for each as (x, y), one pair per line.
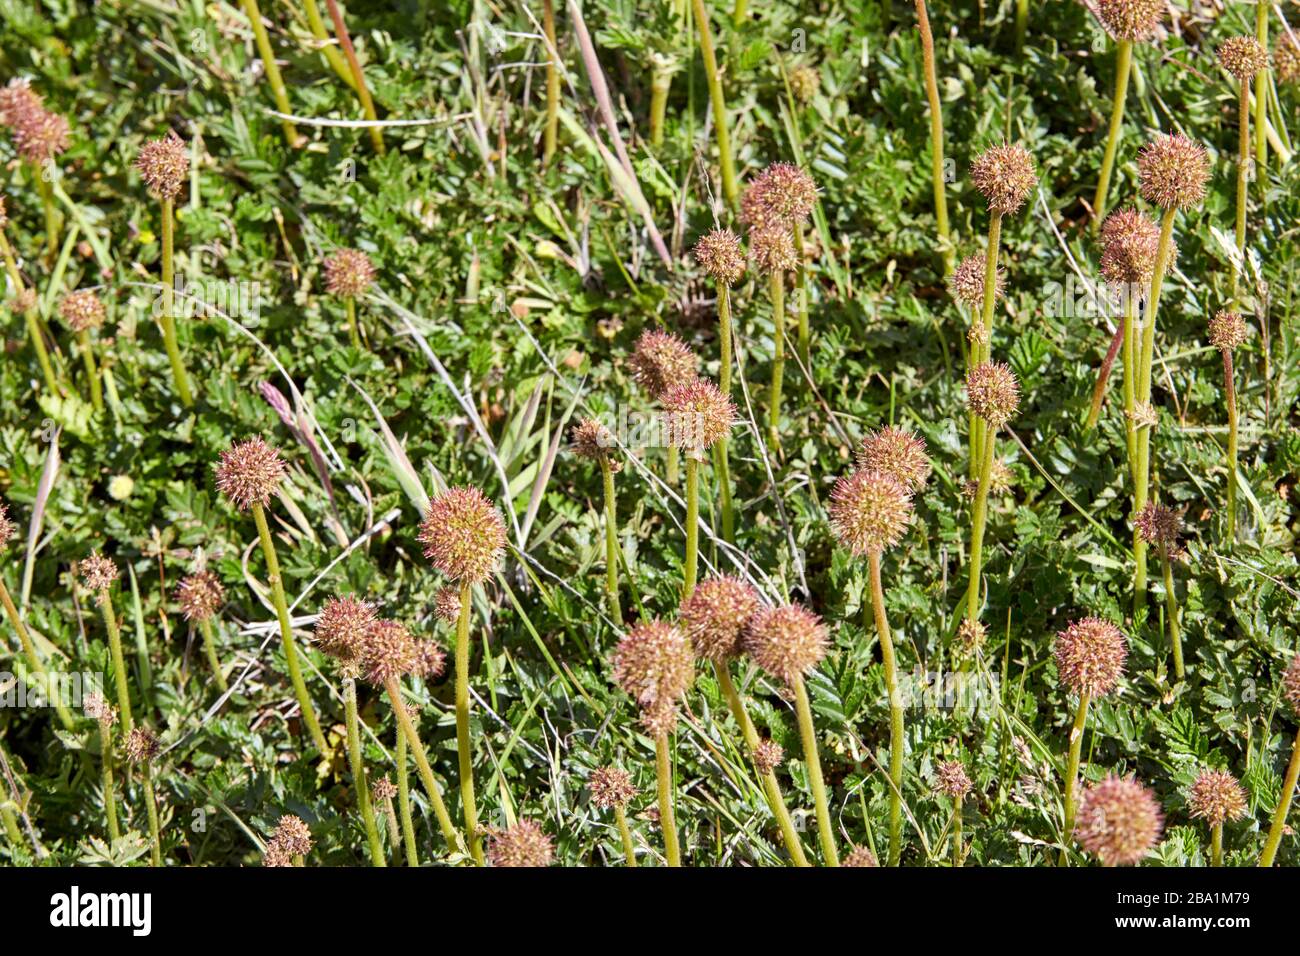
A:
(141, 745)
(463, 535)
(1173, 171)
(97, 708)
(696, 415)
(18, 101)
(1216, 797)
(1130, 19)
(523, 844)
(98, 573)
(720, 254)
(779, 197)
(23, 301)
(348, 273)
(593, 440)
(446, 604)
(896, 452)
(659, 718)
(249, 472)
(655, 664)
(1119, 821)
(870, 511)
(276, 855)
(971, 635)
(1286, 59)
(163, 165)
(343, 627)
(773, 249)
(1227, 330)
(293, 835)
(805, 81)
(768, 755)
(383, 790)
(7, 528)
(661, 360)
(1291, 684)
(1129, 244)
(967, 281)
(787, 641)
(390, 652)
(1242, 56)
(715, 617)
(1005, 175)
(993, 392)
(1090, 656)
(1159, 525)
(200, 595)
(951, 780)
(860, 856)
(82, 310)
(430, 660)
(40, 136)
(611, 787)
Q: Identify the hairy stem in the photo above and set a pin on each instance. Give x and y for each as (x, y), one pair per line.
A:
(151, 808)
(1261, 100)
(358, 769)
(272, 71)
(719, 105)
(801, 298)
(776, 286)
(1103, 376)
(550, 134)
(611, 541)
(464, 750)
(1123, 67)
(691, 567)
(1216, 845)
(210, 650)
(1171, 612)
(404, 800)
(629, 848)
(354, 332)
(1243, 181)
(119, 663)
(106, 771)
(956, 833)
(664, 781)
(896, 742)
(936, 137)
(721, 465)
(33, 324)
(1283, 806)
(808, 735)
(168, 317)
(1072, 774)
(33, 659)
(978, 521)
(407, 727)
(1230, 395)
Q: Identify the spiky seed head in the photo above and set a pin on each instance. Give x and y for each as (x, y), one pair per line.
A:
(1173, 171)
(1130, 242)
(772, 249)
(163, 164)
(993, 392)
(390, 653)
(951, 780)
(98, 573)
(781, 196)
(859, 856)
(18, 100)
(524, 844)
(971, 635)
(768, 755)
(446, 604)
(343, 627)
(348, 273)
(897, 452)
(1131, 19)
(661, 360)
(1242, 56)
(97, 708)
(716, 614)
(593, 440)
(1000, 482)
(200, 595)
(430, 660)
(1005, 176)
(24, 301)
(383, 790)
(82, 310)
(1159, 525)
(1286, 58)
(1119, 821)
(1216, 797)
(720, 254)
(463, 535)
(870, 511)
(696, 415)
(249, 472)
(7, 528)
(967, 281)
(1227, 330)
(654, 663)
(276, 855)
(805, 81)
(659, 719)
(141, 745)
(1291, 684)
(40, 136)
(787, 641)
(611, 787)
(1090, 656)
(294, 835)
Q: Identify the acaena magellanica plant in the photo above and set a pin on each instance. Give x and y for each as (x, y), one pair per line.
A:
(654, 664)
(611, 789)
(993, 394)
(1290, 694)
(1172, 174)
(163, 165)
(39, 136)
(937, 176)
(142, 748)
(952, 781)
(290, 843)
(1090, 656)
(464, 538)
(1216, 797)
(788, 642)
(348, 274)
(720, 254)
(1228, 331)
(718, 104)
(870, 511)
(200, 596)
(83, 312)
(8, 530)
(24, 301)
(1286, 58)
(593, 441)
(696, 417)
(104, 715)
(98, 575)
(1161, 527)
(248, 475)
(1244, 58)
(1119, 821)
(522, 844)
(1127, 22)
(715, 618)
(658, 361)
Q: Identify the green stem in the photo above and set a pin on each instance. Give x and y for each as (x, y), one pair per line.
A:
(979, 518)
(404, 801)
(1230, 394)
(394, 831)
(327, 47)
(808, 735)
(210, 649)
(1130, 388)
(690, 569)
(801, 299)
(33, 324)
(1261, 99)
(151, 807)
(721, 464)
(670, 470)
(119, 663)
(1171, 611)
(463, 744)
(168, 318)
(550, 135)
(106, 767)
(1243, 175)
(358, 769)
(1123, 67)
(33, 659)
(1283, 806)
(739, 13)
(776, 287)
(956, 833)
(407, 727)
(1072, 774)
(47, 204)
(358, 76)
(611, 541)
(936, 137)
(286, 629)
(982, 352)
(1216, 845)
(896, 741)
(272, 70)
(719, 105)
(629, 848)
(354, 333)
(664, 781)
(661, 82)
(1022, 24)
(92, 373)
